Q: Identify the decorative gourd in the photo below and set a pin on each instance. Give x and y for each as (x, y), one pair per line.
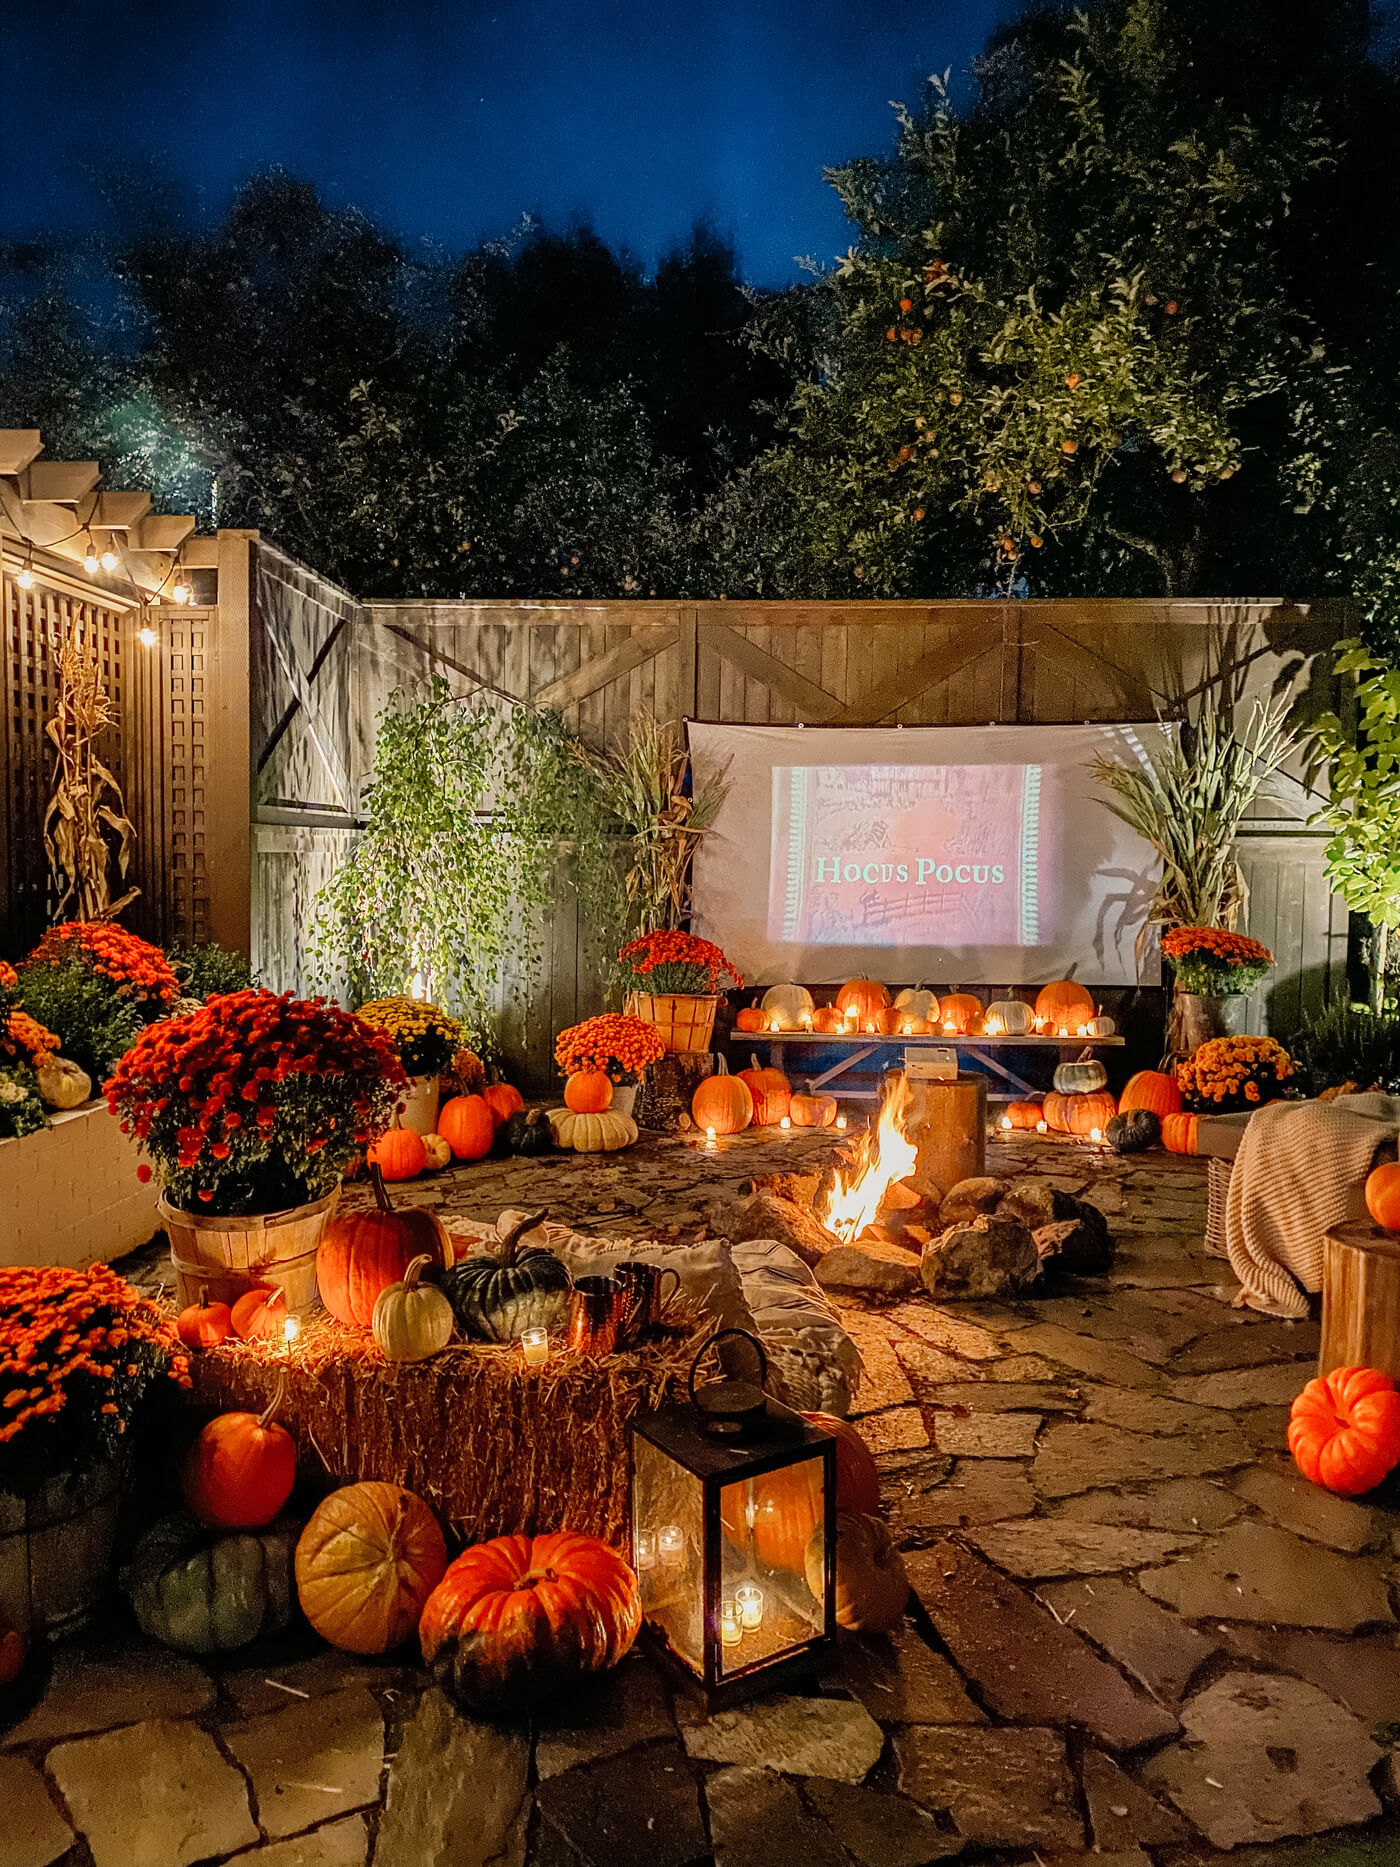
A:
(362, 1253)
(771, 1092)
(204, 1324)
(62, 1085)
(866, 997)
(827, 1021)
(1179, 1133)
(1132, 1130)
(438, 1153)
(519, 1620)
(1024, 1114)
(528, 1132)
(1080, 1079)
(1344, 1430)
(240, 1471)
(750, 1018)
(1383, 1196)
(503, 1099)
(812, 1111)
(260, 1314)
(1081, 1115)
(791, 1005)
(411, 1320)
(960, 1014)
(467, 1126)
(204, 1594)
(11, 1655)
(857, 1476)
(1008, 1017)
(399, 1154)
(722, 1102)
(872, 1589)
(1150, 1089)
(509, 1287)
(366, 1564)
(1100, 1026)
(588, 1092)
(1063, 1005)
(916, 1001)
(592, 1134)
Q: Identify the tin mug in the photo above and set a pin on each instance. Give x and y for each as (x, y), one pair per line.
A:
(644, 1294)
(596, 1305)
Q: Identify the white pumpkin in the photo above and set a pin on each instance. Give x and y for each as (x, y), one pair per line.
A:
(604, 1133)
(412, 1320)
(62, 1085)
(438, 1151)
(791, 1005)
(1008, 1017)
(916, 1001)
(1080, 1079)
(1101, 1026)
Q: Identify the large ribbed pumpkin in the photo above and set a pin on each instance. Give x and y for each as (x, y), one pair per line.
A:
(917, 1002)
(1344, 1430)
(722, 1102)
(365, 1565)
(1079, 1114)
(867, 998)
(507, 1287)
(872, 1588)
(827, 1021)
(791, 1005)
(1179, 1133)
(771, 1092)
(787, 1504)
(210, 1594)
(362, 1253)
(503, 1100)
(1008, 1017)
(241, 1469)
(1081, 1077)
(1063, 1005)
(857, 1477)
(468, 1127)
(960, 1013)
(519, 1620)
(812, 1111)
(1150, 1089)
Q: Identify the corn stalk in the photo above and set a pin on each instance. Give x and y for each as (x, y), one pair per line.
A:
(642, 785)
(86, 801)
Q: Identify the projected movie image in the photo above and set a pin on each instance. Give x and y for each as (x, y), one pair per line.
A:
(870, 855)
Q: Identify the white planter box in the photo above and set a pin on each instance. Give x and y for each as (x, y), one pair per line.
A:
(69, 1194)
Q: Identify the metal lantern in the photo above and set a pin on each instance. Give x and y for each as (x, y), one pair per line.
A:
(734, 1530)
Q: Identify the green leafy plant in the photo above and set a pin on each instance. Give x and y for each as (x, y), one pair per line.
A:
(1348, 1044)
(21, 1107)
(209, 968)
(94, 1025)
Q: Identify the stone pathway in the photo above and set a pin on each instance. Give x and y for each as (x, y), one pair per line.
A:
(1146, 1640)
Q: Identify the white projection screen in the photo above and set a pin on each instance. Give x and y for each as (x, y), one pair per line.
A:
(949, 854)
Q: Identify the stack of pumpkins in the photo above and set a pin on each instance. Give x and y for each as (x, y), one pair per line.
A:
(588, 1122)
(758, 1096)
(467, 1128)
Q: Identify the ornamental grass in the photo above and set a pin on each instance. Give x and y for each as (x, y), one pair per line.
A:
(1234, 1073)
(670, 961)
(615, 1043)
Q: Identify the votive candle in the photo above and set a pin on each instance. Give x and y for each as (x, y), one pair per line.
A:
(840, 1121)
(749, 1601)
(534, 1346)
(670, 1543)
(786, 1122)
(646, 1549)
(731, 1628)
(1005, 1123)
(1096, 1134)
(1042, 1127)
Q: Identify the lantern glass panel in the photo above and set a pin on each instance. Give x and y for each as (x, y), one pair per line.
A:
(774, 1541)
(669, 1542)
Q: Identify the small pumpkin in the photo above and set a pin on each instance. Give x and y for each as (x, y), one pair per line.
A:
(203, 1594)
(1130, 1131)
(365, 1565)
(412, 1320)
(1100, 1025)
(857, 1476)
(866, 997)
(399, 1154)
(827, 1021)
(1063, 1005)
(1179, 1133)
(12, 1651)
(872, 1589)
(438, 1153)
(528, 1132)
(1151, 1089)
(362, 1253)
(750, 1018)
(503, 1099)
(960, 1014)
(812, 1111)
(468, 1127)
(260, 1314)
(771, 1092)
(592, 1134)
(499, 1292)
(519, 1620)
(62, 1085)
(1344, 1430)
(1383, 1195)
(1081, 1115)
(1080, 1078)
(791, 1005)
(1008, 1017)
(722, 1102)
(204, 1324)
(1024, 1114)
(588, 1092)
(918, 1003)
(240, 1471)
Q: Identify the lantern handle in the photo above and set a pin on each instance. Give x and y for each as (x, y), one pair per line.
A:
(718, 1337)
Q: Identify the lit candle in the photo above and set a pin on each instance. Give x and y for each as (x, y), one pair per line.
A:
(646, 1549)
(870, 1028)
(749, 1601)
(670, 1543)
(806, 1020)
(1042, 1127)
(1064, 1030)
(1096, 1134)
(1005, 1121)
(786, 1122)
(950, 1029)
(993, 1027)
(709, 1137)
(852, 1017)
(291, 1329)
(840, 1121)
(731, 1629)
(1083, 1030)
(534, 1346)
(776, 1024)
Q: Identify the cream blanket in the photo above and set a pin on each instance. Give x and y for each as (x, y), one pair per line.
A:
(1300, 1170)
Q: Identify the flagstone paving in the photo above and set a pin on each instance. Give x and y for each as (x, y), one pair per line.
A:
(1139, 1638)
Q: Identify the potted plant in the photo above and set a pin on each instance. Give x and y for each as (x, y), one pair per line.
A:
(80, 1352)
(618, 1045)
(251, 1109)
(25, 1048)
(96, 985)
(1209, 965)
(1233, 1073)
(675, 985)
(426, 1040)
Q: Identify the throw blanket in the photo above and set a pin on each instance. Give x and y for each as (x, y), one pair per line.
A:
(1300, 1170)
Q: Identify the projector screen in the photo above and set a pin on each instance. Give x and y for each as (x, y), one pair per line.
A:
(968, 855)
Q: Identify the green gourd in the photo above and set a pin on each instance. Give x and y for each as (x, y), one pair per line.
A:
(1133, 1130)
(528, 1132)
(1081, 1078)
(501, 1291)
(209, 1594)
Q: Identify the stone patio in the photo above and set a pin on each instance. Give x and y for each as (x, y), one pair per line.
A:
(1144, 1640)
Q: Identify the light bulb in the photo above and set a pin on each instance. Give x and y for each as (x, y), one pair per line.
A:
(90, 561)
(25, 577)
(180, 590)
(147, 636)
(109, 559)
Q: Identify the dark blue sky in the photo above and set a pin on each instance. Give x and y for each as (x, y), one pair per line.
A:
(451, 118)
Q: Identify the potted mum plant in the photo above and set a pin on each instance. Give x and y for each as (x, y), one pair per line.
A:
(1209, 964)
(618, 1045)
(675, 984)
(81, 1353)
(96, 985)
(1229, 1074)
(251, 1108)
(25, 1049)
(425, 1040)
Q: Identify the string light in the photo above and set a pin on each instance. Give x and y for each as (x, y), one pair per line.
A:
(109, 559)
(180, 590)
(91, 560)
(25, 576)
(147, 636)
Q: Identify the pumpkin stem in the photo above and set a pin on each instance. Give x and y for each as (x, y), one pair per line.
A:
(381, 1194)
(204, 1296)
(279, 1394)
(506, 1251)
(415, 1270)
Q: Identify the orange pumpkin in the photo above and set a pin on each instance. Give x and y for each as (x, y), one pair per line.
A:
(467, 1126)
(1023, 1114)
(260, 1313)
(962, 1012)
(365, 1565)
(11, 1655)
(399, 1154)
(1383, 1196)
(588, 1092)
(1063, 1004)
(1344, 1430)
(872, 1588)
(827, 1020)
(750, 1019)
(722, 1102)
(866, 997)
(786, 1505)
(1153, 1090)
(857, 1477)
(240, 1471)
(204, 1324)
(520, 1619)
(1067, 1114)
(503, 1099)
(1179, 1133)
(811, 1111)
(362, 1253)
(771, 1092)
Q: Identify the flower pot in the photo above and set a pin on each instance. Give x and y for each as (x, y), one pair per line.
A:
(228, 1255)
(1195, 1019)
(625, 1098)
(56, 1549)
(686, 1020)
(418, 1105)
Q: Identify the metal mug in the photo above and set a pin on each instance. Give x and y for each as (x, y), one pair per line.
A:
(596, 1307)
(644, 1294)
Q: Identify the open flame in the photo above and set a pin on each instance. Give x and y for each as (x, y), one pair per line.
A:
(886, 1155)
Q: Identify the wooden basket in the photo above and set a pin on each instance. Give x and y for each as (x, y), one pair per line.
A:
(56, 1549)
(230, 1255)
(686, 1020)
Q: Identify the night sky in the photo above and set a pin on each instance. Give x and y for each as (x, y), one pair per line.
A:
(449, 119)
